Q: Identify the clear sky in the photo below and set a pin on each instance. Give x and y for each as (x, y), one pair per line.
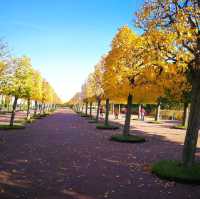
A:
(64, 38)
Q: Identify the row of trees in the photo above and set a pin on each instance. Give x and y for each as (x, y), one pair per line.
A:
(20, 80)
(162, 63)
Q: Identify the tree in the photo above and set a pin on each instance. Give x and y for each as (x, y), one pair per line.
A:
(18, 81)
(179, 21)
(37, 89)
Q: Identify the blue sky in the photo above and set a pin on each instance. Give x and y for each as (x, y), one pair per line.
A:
(64, 38)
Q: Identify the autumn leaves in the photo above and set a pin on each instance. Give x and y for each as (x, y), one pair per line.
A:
(19, 80)
(162, 62)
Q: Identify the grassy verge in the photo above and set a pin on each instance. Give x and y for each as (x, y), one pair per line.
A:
(107, 127)
(155, 122)
(174, 171)
(40, 116)
(84, 115)
(93, 121)
(8, 127)
(179, 127)
(127, 138)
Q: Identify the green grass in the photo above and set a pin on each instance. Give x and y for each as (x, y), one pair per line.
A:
(92, 121)
(127, 138)
(8, 127)
(30, 120)
(174, 171)
(84, 115)
(106, 127)
(40, 116)
(180, 127)
(155, 122)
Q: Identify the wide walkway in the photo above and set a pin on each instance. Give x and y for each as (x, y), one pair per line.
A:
(64, 157)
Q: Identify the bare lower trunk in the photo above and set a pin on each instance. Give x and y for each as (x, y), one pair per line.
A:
(43, 108)
(107, 112)
(90, 109)
(193, 124)
(36, 107)
(119, 109)
(13, 111)
(40, 107)
(128, 115)
(113, 109)
(86, 108)
(185, 114)
(157, 116)
(139, 112)
(98, 107)
(28, 110)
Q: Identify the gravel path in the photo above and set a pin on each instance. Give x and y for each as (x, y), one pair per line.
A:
(64, 157)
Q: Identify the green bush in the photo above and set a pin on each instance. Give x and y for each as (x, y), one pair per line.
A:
(174, 171)
(127, 138)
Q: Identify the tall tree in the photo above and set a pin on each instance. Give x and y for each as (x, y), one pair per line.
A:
(179, 22)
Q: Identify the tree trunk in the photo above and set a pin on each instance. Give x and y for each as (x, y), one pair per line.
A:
(128, 115)
(139, 112)
(28, 110)
(86, 108)
(43, 108)
(185, 114)
(98, 107)
(157, 116)
(107, 112)
(13, 111)
(91, 109)
(40, 108)
(36, 107)
(193, 125)
(113, 109)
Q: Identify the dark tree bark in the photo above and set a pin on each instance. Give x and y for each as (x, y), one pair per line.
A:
(86, 108)
(28, 109)
(40, 108)
(157, 116)
(128, 115)
(107, 112)
(43, 108)
(91, 109)
(98, 107)
(139, 112)
(193, 124)
(113, 109)
(36, 107)
(185, 114)
(13, 111)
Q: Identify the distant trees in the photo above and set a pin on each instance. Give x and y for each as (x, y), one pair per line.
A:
(19, 80)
